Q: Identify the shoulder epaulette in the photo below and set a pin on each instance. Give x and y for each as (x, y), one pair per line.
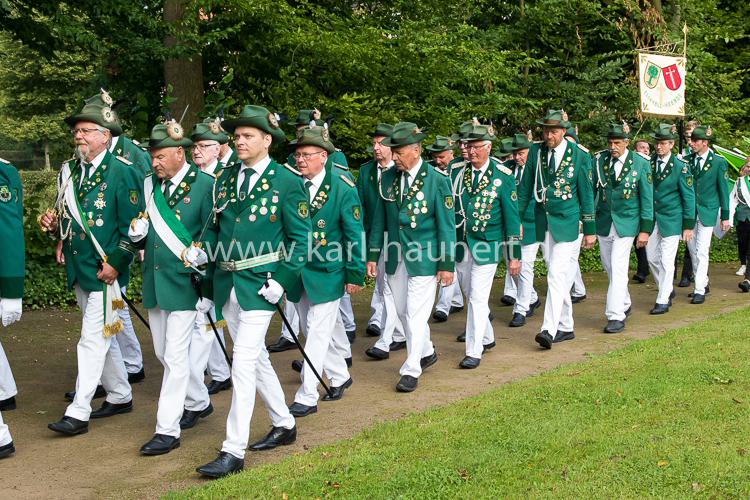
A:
(583, 148)
(458, 164)
(4, 161)
(293, 170)
(347, 180)
(505, 169)
(149, 174)
(124, 160)
(342, 167)
(441, 171)
(599, 153)
(538, 142)
(644, 155)
(680, 157)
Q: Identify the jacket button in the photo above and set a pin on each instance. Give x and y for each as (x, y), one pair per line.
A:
(156, 245)
(75, 252)
(237, 220)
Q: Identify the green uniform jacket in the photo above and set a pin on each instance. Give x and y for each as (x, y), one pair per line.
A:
(566, 195)
(674, 197)
(13, 263)
(711, 190)
(113, 194)
(742, 212)
(126, 148)
(275, 216)
(528, 219)
(337, 255)
(367, 189)
(420, 228)
(166, 280)
(628, 200)
(488, 216)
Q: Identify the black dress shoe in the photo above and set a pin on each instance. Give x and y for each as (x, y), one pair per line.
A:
(338, 392)
(351, 335)
(428, 361)
(225, 464)
(407, 383)
(134, 378)
(575, 299)
(507, 300)
(562, 336)
(487, 347)
(469, 363)
(659, 309)
(518, 320)
(216, 386)
(348, 362)
(698, 299)
(8, 404)
(544, 339)
(279, 436)
(372, 331)
(297, 365)
(491, 317)
(744, 285)
(639, 278)
(439, 316)
(98, 393)
(461, 338)
(190, 417)
(533, 307)
(160, 444)
(300, 410)
(614, 326)
(685, 282)
(282, 345)
(629, 311)
(7, 450)
(397, 346)
(69, 426)
(455, 309)
(376, 353)
(109, 410)
(671, 296)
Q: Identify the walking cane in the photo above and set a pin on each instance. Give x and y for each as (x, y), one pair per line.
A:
(195, 279)
(129, 302)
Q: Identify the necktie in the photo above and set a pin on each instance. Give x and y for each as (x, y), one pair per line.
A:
(614, 167)
(552, 163)
(407, 185)
(308, 184)
(698, 163)
(659, 165)
(475, 180)
(245, 186)
(165, 188)
(86, 172)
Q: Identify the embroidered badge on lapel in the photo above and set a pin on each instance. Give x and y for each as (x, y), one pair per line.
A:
(134, 196)
(302, 209)
(356, 212)
(449, 202)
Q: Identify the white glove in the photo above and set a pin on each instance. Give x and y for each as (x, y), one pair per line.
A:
(196, 256)
(10, 310)
(271, 291)
(138, 229)
(204, 305)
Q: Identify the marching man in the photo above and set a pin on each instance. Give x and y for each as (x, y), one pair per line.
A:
(415, 226)
(624, 211)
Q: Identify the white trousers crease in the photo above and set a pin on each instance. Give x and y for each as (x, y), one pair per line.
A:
(130, 346)
(615, 255)
(661, 252)
(5, 437)
(347, 313)
(391, 329)
(524, 282)
(449, 296)
(8, 387)
(202, 341)
(558, 309)
(699, 248)
(476, 282)
(218, 368)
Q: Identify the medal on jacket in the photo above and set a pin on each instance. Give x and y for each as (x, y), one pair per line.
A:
(272, 217)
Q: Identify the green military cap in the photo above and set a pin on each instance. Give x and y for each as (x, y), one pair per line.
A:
(209, 130)
(441, 144)
(480, 133)
(404, 133)
(521, 141)
(256, 117)
(702, 132)
(314, 136)
(556, 118)
(572, 132)
(618, 131)
(464, 129)
(168, 135)
(665, 132)
(506, 148)
(97, 109)
(305, 116)
(382, 130)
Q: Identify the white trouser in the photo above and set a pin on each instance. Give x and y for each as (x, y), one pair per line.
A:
(413, 296)
(96, 359)
(511, 286)
(524, 282)
(325, 337)
(218, 368)
(290, 311)
(476, 281)
(699, 247)
(172, 332)
(449, 296)
(615, 255)
(130, 347)
(661, 252)
(4, 432)
(8, 387)
(391, 329)
(202, 342)
(579, 289)
(251, 370)
(347, 313)
(558, 309)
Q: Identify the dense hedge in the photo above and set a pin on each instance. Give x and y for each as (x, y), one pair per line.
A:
(45, 280)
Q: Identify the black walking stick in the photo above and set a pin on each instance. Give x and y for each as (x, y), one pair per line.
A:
(195, 279)
(129, 302)
(299, 346)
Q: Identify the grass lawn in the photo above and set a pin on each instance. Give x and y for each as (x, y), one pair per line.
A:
(666, 417)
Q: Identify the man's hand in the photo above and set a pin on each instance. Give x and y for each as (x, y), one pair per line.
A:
(445, 278)
(725, 225)
(687, 235)
(204, 305)
(642, 240)
(138, 229)
(589, 241)
(352, 289)
(272, 291)
(10, 310)
(514, 267)
(521, 237)
(195, 256)
(59, 254)
(372, 269)
(107, 274)
(49, 221)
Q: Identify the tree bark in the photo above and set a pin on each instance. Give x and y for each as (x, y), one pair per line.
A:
(184, 72)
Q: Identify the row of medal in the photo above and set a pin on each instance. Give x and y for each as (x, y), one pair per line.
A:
(415, 208)
(89, 183)
(264, 210)
(320, 238)
(483, 207)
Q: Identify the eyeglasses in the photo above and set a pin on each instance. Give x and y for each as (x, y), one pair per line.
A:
(204, 147)
(476, 148)
(84, 131)
(306, 156)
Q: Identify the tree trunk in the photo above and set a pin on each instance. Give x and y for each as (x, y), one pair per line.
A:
(185, 72)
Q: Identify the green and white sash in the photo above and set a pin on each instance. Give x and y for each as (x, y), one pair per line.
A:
(166, 224)
(112, 295)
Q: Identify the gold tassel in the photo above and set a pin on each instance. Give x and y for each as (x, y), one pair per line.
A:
(118, 304)
(219, 324)
(113, 329)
